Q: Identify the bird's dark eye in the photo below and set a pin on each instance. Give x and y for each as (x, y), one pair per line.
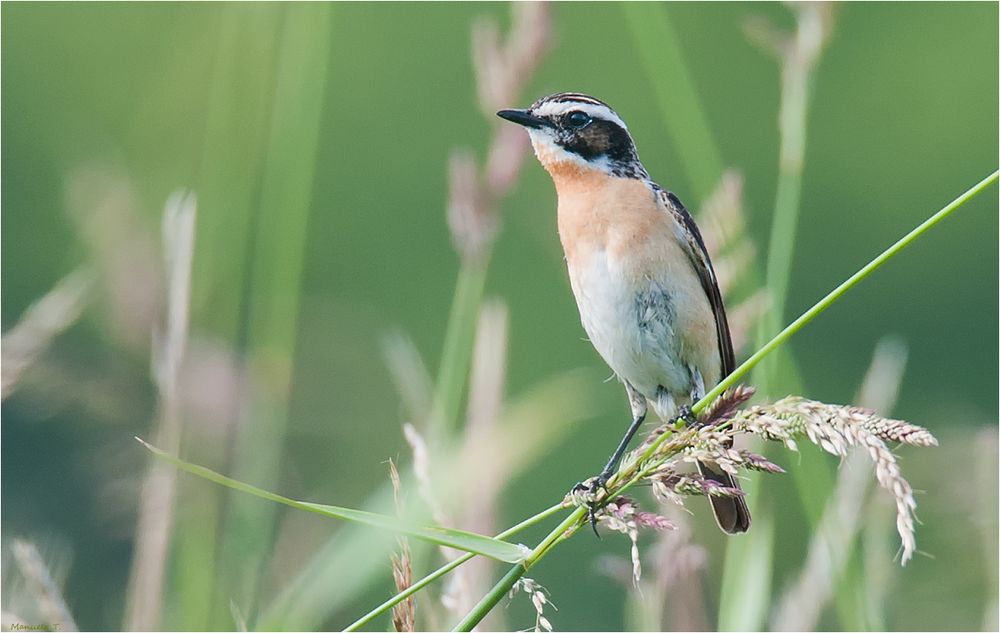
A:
(578, 119)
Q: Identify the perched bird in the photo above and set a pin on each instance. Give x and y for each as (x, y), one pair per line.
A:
(647, 294)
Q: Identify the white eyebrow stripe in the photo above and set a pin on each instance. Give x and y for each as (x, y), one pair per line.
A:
(597, 111)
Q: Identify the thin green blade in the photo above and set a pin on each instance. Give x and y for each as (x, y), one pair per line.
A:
(458, 539)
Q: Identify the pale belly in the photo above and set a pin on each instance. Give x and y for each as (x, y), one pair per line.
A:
(641, 300)
(654, 327)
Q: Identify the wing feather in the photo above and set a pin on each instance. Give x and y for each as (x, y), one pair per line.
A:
(698, 255)
(731, 513)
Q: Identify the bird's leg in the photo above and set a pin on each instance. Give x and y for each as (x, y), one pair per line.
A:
(697, 392)
(616, 457)
(637, 402)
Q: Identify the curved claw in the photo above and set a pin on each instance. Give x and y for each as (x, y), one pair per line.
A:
(592, 487)
(592, 516)
(596, 485)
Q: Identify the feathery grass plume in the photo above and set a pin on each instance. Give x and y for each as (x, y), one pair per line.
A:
(733, 253)
(669, 595)
(745, 316)
(154, 524)
(456, 593)
(722, 216)
(622, 514)
(539, 599)
(422, 472)
(725, 234)
(832, 427)
(404, 613)
(502, 69)
(753, 461)
(472, 216)
(41, 323)
(104, 206)
(48, 599)
(835, 428)
(726, 405)
(700, 444)
(671, 486)
(718, 411)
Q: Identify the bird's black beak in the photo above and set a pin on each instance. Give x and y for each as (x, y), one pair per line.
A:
(525, 118)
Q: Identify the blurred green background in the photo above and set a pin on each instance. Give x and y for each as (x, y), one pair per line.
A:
(323, 229)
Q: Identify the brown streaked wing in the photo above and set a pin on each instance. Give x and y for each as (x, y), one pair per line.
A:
(703, 264)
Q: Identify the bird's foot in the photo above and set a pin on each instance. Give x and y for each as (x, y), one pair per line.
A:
(687, 415)
(589, 493)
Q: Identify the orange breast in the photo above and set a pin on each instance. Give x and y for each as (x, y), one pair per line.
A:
(643, 243)
(620, 216)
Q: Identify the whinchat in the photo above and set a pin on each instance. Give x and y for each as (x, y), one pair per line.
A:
(647, 294)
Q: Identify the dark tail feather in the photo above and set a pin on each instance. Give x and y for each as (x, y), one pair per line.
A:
(731, 513)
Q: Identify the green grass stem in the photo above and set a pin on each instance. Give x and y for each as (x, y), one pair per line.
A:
(456, 355)
(235, 142)
(491, 599)
(797, 53)
(840, 290)
(273, 298)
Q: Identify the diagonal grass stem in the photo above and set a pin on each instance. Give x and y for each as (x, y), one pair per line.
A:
(840, 290)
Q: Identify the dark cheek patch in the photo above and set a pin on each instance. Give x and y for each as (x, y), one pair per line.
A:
(600, 138)
(596, 139)
(582, 142)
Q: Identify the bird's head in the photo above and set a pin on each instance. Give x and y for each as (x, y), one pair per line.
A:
(576, 132)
